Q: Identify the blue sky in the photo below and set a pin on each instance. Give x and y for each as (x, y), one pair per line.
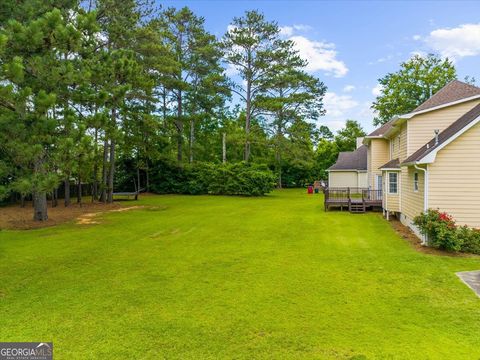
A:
(350, 44)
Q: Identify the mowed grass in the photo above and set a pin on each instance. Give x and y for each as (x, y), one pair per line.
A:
(205, 277)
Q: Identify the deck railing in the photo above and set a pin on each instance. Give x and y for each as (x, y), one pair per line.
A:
(372, 195)
(347, 195)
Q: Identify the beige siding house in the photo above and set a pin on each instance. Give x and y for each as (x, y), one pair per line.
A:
(350, 170)
(430, 158)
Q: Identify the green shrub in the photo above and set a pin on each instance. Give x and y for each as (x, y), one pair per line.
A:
(471, 240)
(219, 179)
(440, 229)
(443, 233)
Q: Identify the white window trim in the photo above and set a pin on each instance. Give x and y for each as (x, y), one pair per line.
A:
(388, 185)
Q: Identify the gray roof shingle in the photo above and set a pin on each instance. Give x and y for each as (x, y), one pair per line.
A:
(351, 160)
(453, 91)
(392, 164)
(382, 129)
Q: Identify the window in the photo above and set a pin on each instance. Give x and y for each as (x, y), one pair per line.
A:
(415, 182)
(392, 183)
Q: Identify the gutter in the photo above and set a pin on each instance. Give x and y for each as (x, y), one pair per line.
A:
(425, 193)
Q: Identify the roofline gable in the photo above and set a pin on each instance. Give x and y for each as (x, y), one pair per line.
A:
(430, 157)
(396, 118)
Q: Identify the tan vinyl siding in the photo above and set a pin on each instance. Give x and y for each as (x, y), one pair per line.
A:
(395, 144)
(363, 179)
(421, 127)
(412, 201)
(343, 179)
(369, 166)
(402, 153)
(379, 154)
(454, 179)
(398, 144)
(391, 202)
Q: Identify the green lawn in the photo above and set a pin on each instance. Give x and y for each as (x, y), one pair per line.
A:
(201, 277)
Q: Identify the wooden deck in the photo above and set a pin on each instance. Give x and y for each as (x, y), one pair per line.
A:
(357, 200)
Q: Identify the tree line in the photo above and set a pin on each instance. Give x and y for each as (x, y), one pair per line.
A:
(106, 92)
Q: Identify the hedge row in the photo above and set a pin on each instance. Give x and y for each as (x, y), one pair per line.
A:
(219, 179)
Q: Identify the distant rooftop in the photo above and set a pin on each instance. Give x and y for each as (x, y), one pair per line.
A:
(351, 160)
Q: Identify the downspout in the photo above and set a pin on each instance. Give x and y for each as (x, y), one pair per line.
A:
(425, 194)
(385, 192)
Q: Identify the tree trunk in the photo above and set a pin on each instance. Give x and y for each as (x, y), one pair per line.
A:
(248, 120)
(164, 110)
(22, 201)
(112, 161)
(40, 207)
(67, 191)
(103, 196)
(138, 180)
(55, 195)
(224, 147)
(278, 147)
(79, 191)
(147, 177)
(179, 126)
(192, 139)
(112, 172)
(95, 169)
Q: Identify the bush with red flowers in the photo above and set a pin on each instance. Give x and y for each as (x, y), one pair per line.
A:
(440, 230)
(443, 233)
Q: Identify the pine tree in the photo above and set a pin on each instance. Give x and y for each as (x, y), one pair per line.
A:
(250, 45)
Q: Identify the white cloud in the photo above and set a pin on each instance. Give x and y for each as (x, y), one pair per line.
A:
(286, 30)
(416, 37)
(457, 42)
(290, 30)
(382, 59)
(321, 56)
(342, 107)
(420, 53)
(348, 88)
(231, 70)
(377, 90)
(337, 106)
(366, 112)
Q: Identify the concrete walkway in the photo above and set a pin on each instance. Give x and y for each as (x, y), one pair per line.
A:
(471, 279)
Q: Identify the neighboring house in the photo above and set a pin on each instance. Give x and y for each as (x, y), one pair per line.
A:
(350, 170)
(430, 157)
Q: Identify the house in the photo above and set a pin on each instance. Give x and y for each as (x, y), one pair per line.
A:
(430, 158)
(350, 170)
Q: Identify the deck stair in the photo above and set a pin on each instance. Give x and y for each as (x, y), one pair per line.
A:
(356, 207)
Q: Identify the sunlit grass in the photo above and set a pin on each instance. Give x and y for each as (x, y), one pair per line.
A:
(239, 278)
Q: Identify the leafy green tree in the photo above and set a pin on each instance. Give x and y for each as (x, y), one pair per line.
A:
(250, 45)
(416, 81)
(346, 138)
(325, 156)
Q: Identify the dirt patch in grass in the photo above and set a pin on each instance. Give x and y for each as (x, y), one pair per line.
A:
(415, 242)
(15, 217)
(91, 218)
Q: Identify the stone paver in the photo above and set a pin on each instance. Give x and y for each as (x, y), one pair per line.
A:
(471, 279)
